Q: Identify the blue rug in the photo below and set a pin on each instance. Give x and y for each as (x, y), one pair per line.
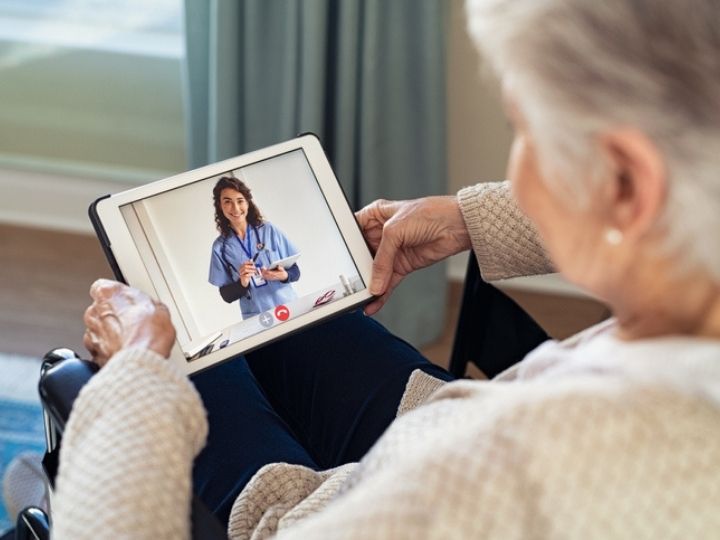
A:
(21, 424)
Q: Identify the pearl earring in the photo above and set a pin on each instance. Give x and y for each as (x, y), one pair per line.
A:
(613, 236)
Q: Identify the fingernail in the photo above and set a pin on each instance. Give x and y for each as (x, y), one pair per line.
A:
(375, 286)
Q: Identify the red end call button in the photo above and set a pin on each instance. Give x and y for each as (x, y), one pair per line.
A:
(282, 313)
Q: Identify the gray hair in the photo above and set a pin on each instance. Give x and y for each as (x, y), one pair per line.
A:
(580, 67)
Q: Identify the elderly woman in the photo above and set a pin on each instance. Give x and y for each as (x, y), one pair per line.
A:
(615, 168)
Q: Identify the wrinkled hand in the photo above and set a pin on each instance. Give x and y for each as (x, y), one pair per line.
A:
(279, 274)
(121, 317)
(407, 236)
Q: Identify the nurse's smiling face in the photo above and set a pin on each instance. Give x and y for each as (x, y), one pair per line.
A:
(235, 208)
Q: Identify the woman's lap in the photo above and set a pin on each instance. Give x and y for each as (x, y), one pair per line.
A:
(338, 384)
(245, 434)
(319, 398)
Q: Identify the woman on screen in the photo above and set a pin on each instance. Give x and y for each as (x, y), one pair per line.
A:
(242, 255)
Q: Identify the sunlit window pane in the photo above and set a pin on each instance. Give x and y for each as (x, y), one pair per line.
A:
(92, 85)
(153, 27)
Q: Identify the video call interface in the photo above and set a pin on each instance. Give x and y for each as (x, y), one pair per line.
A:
(242, 252)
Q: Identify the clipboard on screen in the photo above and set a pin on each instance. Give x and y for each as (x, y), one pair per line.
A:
(286, 263)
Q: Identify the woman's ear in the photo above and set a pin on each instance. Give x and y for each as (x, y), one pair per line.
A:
(638, 183)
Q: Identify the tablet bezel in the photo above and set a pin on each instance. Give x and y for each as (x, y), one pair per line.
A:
(128, 265)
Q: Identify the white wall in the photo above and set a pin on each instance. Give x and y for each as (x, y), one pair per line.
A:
(181, 229)
(479, 136)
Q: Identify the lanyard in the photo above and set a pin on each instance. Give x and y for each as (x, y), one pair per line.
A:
(248, 250)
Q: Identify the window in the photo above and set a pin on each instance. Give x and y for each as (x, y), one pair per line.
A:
(92, 86)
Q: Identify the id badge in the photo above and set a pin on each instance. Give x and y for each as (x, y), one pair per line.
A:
(258, 280)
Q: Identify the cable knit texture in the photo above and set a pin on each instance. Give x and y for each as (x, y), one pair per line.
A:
(127, 452)
(420, 387)
(505, 242)
(593, 438)
(279, 495)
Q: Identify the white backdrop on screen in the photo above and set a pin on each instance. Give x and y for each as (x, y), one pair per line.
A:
(285, 191)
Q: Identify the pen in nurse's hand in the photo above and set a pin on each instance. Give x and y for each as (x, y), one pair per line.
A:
(254, 258)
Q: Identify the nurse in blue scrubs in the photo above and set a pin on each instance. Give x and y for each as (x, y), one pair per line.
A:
(243, 252)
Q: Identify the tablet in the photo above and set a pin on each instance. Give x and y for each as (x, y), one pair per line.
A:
(191, 240)
(287, 262)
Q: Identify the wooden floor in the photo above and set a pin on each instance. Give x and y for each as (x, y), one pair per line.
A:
(44, 281)
(45, 277)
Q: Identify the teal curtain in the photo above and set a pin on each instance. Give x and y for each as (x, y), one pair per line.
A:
(367, 76)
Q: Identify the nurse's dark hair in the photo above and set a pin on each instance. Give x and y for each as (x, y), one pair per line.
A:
(222, 223)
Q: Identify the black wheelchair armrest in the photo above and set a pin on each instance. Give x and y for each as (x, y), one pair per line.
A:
(60, 383)
(62, 375)
(32, 524)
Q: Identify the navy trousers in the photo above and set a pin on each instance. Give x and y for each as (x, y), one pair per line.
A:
(319, 398)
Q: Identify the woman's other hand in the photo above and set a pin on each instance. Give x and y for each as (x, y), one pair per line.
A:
(407, 236)
(121, 317)
(247, 270)
(279, 274)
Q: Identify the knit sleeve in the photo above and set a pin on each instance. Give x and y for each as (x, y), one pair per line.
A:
(447, 496)
(127, 452)
(505, 242)
(633, 465)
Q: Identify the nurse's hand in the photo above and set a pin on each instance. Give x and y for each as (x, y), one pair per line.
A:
(279, 274)
(407, 236)
(121, 317)
(247, 270)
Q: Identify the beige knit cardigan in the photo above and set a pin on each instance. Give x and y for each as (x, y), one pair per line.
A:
(478, 459)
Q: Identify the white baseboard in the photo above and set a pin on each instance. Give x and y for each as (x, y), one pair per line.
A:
(51, 201)
(549, 283)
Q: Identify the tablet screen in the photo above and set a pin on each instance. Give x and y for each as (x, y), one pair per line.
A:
(208, 247)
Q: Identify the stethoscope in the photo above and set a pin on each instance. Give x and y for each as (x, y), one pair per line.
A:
(260, 246)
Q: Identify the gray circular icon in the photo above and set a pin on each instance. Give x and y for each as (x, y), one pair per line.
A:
(266, 319)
